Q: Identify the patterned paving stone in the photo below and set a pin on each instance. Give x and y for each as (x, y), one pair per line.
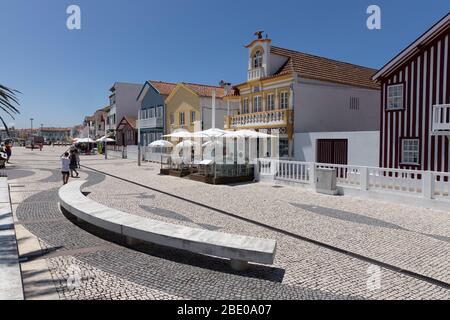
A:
(301, 270)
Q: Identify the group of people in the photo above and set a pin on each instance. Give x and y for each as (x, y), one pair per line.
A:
(70, 162)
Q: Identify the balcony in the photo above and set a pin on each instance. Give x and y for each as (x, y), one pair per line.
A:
(256, 73)
(260, 120)
(150, 123)
(441, 119)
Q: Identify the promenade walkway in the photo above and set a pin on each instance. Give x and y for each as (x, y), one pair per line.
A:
(62, 260)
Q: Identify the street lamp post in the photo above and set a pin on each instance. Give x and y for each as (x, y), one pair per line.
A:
(31, 135)
(139, 137)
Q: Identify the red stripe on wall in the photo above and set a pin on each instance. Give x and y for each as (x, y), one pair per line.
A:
(426, 165)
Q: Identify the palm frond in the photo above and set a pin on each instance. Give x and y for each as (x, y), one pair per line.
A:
(8, 102)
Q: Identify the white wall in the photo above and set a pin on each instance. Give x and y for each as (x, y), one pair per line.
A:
(363, 146)
(221, 112)
(325, 107)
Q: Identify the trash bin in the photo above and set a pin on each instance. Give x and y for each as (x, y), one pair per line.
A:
(326, 181)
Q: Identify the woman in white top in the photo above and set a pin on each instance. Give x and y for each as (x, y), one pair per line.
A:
(65, 167)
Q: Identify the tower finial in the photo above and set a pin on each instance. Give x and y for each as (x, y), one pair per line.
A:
(259, 33)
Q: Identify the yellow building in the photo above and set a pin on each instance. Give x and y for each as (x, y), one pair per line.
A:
(189, 106)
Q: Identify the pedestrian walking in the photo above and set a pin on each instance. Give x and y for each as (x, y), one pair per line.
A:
(8, 150)
(65, 167)
(73, 164)
(77, 154)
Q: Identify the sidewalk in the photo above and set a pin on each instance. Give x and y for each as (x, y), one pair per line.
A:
(10, 275)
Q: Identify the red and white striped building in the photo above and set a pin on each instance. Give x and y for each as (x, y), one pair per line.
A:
(415, 104)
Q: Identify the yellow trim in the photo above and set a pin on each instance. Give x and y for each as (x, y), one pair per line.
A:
(251, 83)
(257, 40)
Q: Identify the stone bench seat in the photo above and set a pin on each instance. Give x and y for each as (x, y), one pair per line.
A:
(239, 249)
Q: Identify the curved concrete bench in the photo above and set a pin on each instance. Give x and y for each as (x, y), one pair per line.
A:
(239, 249)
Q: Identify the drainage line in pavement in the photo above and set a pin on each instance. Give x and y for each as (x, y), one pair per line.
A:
(413, 274)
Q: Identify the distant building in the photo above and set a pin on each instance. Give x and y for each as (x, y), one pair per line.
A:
(126, 133)
(77, 131)
(189, 106)
(89, 127)
(152, 99)
(123, 103)
(52, 135)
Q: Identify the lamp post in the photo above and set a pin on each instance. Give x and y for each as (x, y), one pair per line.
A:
(139, 137)
(31, 135)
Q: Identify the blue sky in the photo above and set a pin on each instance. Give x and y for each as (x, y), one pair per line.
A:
(65, 75)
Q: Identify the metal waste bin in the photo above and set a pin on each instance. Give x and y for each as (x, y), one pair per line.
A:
(326, 181)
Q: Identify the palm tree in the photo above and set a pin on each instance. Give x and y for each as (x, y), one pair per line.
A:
(8, 100)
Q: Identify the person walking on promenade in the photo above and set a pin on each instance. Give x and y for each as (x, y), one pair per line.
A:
(41, 145)
(8, 151)
(77, 154)
(73, 164)
(65, 167)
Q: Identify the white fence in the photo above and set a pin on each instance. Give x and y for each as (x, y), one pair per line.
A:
(426, 184)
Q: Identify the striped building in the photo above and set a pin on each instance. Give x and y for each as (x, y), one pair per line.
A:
(415, 104)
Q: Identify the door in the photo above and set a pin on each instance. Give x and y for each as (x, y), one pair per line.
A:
(333, 151)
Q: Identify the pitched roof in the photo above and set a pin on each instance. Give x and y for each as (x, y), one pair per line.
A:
(439, 27)
(164, 88)
(205, 90)
(131, 121)
(324, 69)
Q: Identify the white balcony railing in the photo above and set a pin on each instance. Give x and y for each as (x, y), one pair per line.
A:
(151, 123)
(256, 73)
(275, 118)
(441, 118)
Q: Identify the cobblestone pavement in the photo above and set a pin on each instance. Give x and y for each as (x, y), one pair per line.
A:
(85, 266)
(411, 238)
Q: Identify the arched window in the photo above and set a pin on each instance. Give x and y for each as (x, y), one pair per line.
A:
(257, 59)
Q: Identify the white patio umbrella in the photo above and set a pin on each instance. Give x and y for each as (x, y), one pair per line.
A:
(180, 133)
(209, 133)
(86, 140)
(186, 143)
(160, 143)
(103, 139)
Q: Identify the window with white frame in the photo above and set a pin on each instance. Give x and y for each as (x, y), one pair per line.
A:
(270, 102)
(182, 119)
(394, 97)
(257, 59)
(159, 112)
(245, 106)
(257, 107)
(410, 151)
(192, 116)
(284, 100)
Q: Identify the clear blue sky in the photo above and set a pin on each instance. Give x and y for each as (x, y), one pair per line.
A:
(65, 75)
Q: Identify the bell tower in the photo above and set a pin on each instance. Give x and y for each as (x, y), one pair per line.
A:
(258, 56)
